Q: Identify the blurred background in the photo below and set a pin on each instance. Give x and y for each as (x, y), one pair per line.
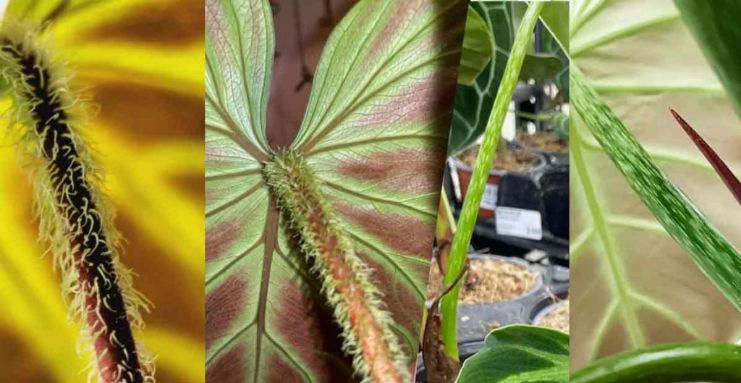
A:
(141, 64)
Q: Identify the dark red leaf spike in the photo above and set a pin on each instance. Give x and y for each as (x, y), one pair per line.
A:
(720, 167)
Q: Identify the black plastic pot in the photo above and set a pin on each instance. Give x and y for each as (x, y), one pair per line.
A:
(540, 312)
(475, 320)
(546, 304)
(464, 173)
(546, 192)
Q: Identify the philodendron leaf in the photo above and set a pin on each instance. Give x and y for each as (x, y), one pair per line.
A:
(553, 18)
(478, 48)
(519, 353)
(633, 285)
(373, 138)
(540, 66)
(714, 25)
(679, 362)
(473, 103)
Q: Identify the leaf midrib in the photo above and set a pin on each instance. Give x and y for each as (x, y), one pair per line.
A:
(616, 268)
(271, 238)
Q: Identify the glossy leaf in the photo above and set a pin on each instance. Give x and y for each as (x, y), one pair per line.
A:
(374, 136)
(145, 85)
(714, 26)
(620, 302)
(519, 353)
(478, 48)
(682, 362)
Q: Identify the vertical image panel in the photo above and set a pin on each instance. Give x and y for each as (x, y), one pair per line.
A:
(326, 130)
(498, 292)
(655, 256)
(101, 191)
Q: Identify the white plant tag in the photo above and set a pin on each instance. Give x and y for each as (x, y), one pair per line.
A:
(520, 223)
(489, 200)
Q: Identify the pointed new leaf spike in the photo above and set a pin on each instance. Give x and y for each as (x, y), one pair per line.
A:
(720, 167)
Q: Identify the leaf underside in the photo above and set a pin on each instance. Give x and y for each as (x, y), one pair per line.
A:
(374, 135)
(644, 289)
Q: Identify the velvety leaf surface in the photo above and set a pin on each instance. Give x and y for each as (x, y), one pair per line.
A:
(645, 289)
(473, 103)
(478, 47)
(140, 65)
(374, 134)
(553, 18)
(519, 353)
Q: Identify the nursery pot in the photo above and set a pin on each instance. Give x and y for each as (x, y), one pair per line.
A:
(552, 156)
(540, 313)
(491, 190)
(475, 320)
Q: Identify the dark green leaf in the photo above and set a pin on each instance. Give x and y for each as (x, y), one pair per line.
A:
(478, 49)
(519, 353)
(555, 17)
(540, 66)
(473, 103)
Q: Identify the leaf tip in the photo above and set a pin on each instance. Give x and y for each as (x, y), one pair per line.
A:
(720, 167)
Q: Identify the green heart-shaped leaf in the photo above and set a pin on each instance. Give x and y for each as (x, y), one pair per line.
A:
(478, 48)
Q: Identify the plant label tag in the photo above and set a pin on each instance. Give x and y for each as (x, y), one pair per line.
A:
(489, 200)
(519, 223)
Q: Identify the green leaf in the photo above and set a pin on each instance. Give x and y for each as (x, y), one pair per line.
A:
(633, 285)
(374, 134)
(519, 353)
(683, 362)
(478, 49)
(720, 261)
(714, 25)
(473, 103)
(540, 66)
(555, 18)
